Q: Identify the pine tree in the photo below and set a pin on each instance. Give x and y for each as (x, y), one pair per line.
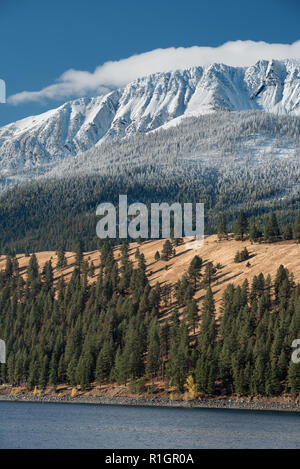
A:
(157, 256)
(241, 256)
(71, 370)
(133, 352)
(177, 367)
(43, 373)
(282, 278)
(105, 361)
(61, 372)
(61, 259)
(47, 275)
(210, 273)
(206, 364)
(18, 368)
(77, 248)
(8, 267)
(254, 233)
(84, 370)
(194, 270)
(33, 374)
(91, 271)
(272, 232)
(241, 226)
(119, 372)
(33, 269)
(153, 349)
(167, 250)
(11, 369)
(164, 332)
(222, 229)
(192, 314)
(53, 368)
(293, 377)
(126, 267)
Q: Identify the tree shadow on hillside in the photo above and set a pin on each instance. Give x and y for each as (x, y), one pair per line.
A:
(226, 278)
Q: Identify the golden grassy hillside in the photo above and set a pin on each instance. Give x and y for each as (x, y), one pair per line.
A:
(265, 258)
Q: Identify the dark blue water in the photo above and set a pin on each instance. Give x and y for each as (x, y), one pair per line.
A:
(45, 425)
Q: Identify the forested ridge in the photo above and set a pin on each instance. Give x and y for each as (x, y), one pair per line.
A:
(228, 161)
(43, 216)
(119, 329)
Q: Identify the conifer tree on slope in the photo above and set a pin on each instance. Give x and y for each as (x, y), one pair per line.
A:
(241, 226)
(272, 231)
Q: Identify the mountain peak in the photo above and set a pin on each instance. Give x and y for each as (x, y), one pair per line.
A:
(147, 104)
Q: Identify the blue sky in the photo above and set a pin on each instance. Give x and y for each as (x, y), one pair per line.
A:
(40, 40)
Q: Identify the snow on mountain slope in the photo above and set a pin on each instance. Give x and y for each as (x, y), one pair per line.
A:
(149, 103)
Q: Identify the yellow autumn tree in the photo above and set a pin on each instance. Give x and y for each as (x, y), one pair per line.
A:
(191, 389)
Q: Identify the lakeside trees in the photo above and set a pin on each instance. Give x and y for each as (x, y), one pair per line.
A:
(114, 330)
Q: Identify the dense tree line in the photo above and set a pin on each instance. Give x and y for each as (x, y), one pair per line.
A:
(117, 329)
(269, 231)
(42, 216)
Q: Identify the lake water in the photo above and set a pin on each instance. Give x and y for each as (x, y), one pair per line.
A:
(47, 425)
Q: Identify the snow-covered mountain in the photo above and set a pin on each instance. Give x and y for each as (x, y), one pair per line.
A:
(149, 103)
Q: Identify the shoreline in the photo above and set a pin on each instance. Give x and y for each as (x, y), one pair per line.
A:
(208, 403)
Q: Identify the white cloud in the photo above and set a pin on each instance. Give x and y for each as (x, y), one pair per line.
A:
(2, 91)
(119, 73)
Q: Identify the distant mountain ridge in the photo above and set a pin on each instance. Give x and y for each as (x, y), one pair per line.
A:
(149, 103)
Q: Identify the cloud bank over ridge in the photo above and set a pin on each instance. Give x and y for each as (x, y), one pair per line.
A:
(115, 74)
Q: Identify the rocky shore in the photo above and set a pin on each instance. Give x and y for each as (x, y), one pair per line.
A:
(208, 403)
